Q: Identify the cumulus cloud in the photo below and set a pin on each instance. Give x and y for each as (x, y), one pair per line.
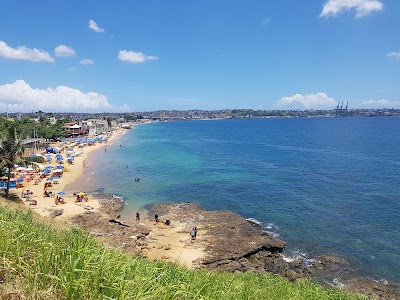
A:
(134, 57)
(64, 51)
(331, 8)
(95, 27)
(382, 103)
(312, 101)
(395, 55)
(87, 61)
(24, 53)
(21, 97)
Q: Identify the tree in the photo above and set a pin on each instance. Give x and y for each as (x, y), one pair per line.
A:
(11, 150)
(109, 122)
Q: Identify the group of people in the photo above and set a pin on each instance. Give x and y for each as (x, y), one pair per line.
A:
(193, 232)
(81, 198)
(59, 200)
(28, 195)
(48, 193)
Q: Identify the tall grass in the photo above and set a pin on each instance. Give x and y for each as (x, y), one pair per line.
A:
(44, 263)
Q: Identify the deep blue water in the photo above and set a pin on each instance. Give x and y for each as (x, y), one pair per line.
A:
(326, 185)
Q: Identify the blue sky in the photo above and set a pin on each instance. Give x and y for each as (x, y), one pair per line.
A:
(121, 56)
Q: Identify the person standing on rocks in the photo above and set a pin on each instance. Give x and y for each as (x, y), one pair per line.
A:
(193, 234)
(137, 216)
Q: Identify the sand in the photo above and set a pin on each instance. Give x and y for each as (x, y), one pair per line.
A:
(171, 243)
(45, 205)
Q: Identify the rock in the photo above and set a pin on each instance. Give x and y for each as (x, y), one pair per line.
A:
(291, 275)
(56, 212)
(297, 263)
(330, 263)
(118, 223)
(232, 242)
(373, 288)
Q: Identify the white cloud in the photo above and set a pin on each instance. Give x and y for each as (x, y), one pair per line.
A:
(95, 27)
(395, 55)
(134, 57)
(363, 8)
(21, 97)
(64, 51)
(312, 101)
(24, 53)
(87, 61)
(382, 103)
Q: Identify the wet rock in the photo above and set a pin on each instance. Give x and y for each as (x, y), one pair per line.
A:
(118, 222)
(297, 263)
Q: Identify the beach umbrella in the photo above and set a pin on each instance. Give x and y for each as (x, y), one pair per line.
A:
(60, 167)
(20, 169)
(61, 193)
(81, 194)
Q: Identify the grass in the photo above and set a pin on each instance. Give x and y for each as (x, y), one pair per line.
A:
(43, 262)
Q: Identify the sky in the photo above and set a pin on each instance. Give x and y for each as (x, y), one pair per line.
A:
(128, 55)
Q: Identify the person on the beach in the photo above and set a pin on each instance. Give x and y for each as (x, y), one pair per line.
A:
(193, 234)
(156, 218)
(137, 216)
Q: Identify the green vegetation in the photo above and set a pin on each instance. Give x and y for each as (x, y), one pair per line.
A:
(42, 262)
(11, 150)
(26, 127)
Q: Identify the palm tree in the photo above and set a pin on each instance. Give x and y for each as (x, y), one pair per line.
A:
(11, 150)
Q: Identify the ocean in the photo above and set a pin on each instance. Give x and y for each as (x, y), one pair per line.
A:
(326, 186)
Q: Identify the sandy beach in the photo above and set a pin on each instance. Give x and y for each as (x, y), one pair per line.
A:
(171, 243)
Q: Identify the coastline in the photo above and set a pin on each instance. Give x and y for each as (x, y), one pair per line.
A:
(151, 239)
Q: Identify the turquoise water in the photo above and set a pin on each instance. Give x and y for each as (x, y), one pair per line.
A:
(326, 186)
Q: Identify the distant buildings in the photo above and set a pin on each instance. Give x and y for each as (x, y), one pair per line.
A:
(85, 123)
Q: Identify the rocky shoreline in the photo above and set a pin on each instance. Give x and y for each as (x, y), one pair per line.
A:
(232, 244)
